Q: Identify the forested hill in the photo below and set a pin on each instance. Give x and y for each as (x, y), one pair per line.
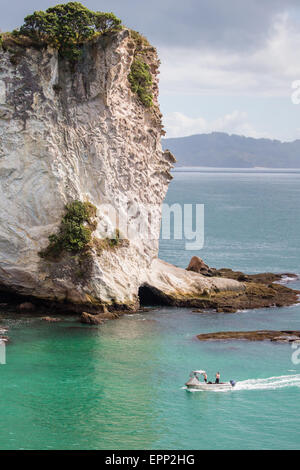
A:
(233, 151)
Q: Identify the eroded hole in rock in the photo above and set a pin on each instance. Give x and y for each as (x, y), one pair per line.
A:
(150, 296)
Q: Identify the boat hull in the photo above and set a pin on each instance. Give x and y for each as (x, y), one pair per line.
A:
(209, 387)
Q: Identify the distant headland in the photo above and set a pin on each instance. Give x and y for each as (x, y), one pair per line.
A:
(222, 150)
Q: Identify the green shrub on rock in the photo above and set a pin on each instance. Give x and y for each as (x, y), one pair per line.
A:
(75, 231)
(75, 235)
(140, 79)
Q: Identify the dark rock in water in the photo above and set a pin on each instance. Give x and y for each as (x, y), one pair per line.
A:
(226, 309)
(26, 307)
(91, 319)
(286, 336)
(51, 319)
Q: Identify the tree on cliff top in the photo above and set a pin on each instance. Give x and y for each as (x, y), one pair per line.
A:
(67, 26)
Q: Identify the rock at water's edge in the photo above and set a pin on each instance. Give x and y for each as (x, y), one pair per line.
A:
(51, 319)
(286, 336)
(90, 319)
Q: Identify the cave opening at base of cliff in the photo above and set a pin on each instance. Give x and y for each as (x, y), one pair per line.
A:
(150, 296)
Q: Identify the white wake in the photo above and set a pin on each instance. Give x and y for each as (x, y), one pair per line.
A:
(270, 383)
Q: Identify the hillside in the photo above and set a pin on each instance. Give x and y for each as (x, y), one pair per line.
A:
(233, 151)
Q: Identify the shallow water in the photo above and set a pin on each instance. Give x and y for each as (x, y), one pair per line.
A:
(72, 386)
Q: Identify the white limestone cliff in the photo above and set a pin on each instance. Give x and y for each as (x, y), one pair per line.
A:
(78, 134)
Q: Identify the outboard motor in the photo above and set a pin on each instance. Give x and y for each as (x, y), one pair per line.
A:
(232, 382)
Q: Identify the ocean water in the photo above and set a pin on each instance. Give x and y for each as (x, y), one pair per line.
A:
(120, 386)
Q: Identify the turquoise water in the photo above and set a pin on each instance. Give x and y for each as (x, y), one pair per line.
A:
(70, 386)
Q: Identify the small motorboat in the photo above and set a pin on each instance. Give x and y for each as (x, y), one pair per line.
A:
(194, 383)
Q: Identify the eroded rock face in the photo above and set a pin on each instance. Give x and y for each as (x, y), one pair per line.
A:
(76, 133)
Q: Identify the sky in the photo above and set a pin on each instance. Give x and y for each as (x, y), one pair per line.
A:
(226, 65)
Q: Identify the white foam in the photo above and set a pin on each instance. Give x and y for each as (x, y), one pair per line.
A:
(286, 279)
(270, 383)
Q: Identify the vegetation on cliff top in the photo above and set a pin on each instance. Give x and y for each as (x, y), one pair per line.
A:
(67, 26)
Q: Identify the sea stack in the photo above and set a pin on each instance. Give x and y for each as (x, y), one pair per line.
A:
(80, 148)
(77, 132)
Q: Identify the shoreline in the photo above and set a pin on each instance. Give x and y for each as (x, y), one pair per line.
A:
(269, 290)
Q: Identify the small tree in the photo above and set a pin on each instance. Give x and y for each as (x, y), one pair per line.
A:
(67, 26)
(73, 23)
(38, 26)
(106, 22)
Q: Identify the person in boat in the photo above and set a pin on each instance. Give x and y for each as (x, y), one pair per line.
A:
(217, 378)
(205, 377)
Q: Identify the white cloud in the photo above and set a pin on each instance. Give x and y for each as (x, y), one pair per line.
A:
(180, 125)
(268, 71)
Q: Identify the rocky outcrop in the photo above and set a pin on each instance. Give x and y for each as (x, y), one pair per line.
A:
(166, 284)
(77, 132)
(99, 318)
(286, 336)
(197, 265)
(169, 285)
(260, 290)
(90, 319)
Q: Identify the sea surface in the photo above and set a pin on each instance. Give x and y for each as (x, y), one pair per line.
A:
(121, 385)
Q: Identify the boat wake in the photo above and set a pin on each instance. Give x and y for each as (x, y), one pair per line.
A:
(270, 383)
